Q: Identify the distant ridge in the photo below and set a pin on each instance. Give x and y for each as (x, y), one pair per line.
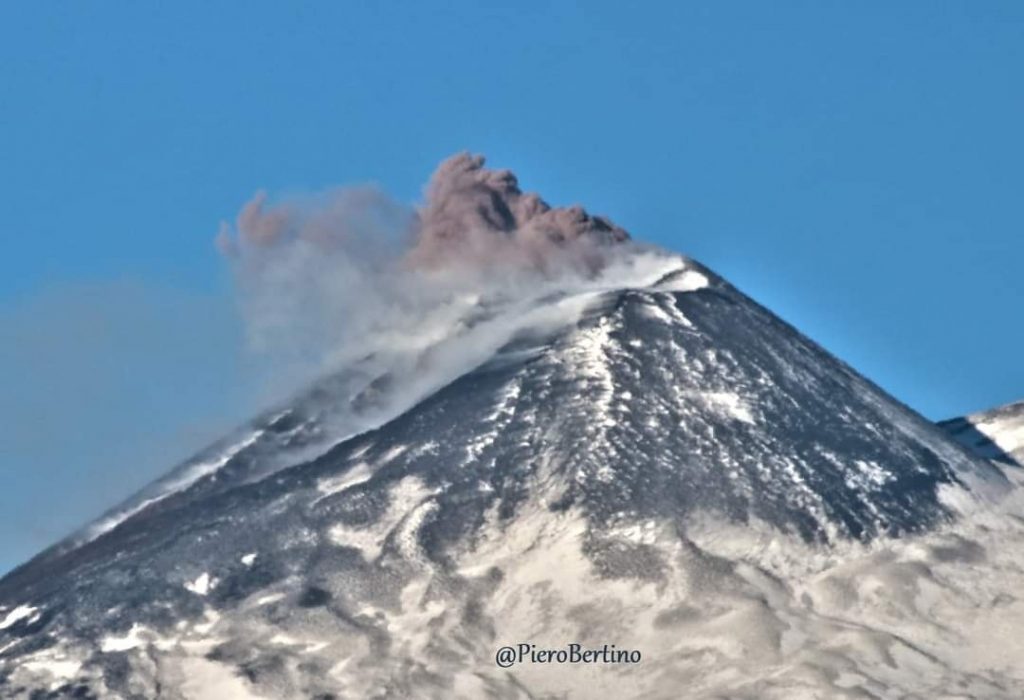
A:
(997, 433)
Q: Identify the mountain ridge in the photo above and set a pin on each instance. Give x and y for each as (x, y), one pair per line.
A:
(996, 433)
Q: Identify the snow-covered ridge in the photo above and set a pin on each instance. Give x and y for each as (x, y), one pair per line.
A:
(995, 434)
(192, 472)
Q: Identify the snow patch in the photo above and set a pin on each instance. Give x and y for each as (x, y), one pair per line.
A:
(589, 362)
(268, 599)
(406, 497)
(1007, 432)
(19, 613)
(729, 403)
(61, 669)
(209, 680)
(391, 454)
(130, 640)
(358, 474)
(202, 585)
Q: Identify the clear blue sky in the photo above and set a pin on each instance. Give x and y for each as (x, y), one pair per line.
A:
(855, 166)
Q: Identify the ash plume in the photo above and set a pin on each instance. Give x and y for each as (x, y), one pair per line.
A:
(471, 214)
(481, 216)
(351, 270)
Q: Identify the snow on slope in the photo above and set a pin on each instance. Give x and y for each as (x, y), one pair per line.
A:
(995, 434)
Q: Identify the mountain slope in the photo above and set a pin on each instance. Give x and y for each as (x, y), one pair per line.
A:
(554, 493)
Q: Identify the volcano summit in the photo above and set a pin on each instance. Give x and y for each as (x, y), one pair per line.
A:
(560, 437)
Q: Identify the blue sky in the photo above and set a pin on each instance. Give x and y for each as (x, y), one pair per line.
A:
(854, 166)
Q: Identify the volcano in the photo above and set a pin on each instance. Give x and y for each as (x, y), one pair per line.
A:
(646, 461)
